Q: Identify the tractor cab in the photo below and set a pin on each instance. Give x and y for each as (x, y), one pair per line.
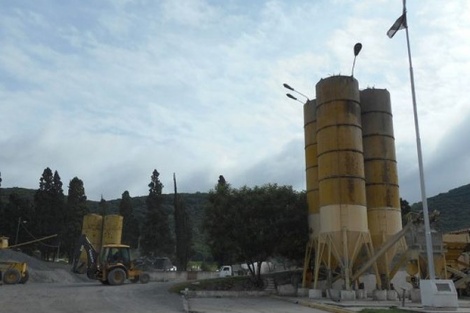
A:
(112, 255)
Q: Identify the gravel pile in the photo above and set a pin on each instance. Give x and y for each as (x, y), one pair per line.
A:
(41, 271)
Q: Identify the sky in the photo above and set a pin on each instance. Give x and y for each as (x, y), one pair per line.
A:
(107, 91)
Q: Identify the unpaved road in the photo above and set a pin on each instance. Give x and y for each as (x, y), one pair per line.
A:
(89, 298)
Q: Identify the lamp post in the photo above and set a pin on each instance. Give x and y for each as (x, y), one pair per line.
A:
(298, 92)
(357, 49)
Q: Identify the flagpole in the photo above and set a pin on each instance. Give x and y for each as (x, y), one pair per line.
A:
(427, 226)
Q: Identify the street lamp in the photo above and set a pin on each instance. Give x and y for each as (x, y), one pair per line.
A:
(298, 92)
(292, 97)
(357, 49)
(18, 229)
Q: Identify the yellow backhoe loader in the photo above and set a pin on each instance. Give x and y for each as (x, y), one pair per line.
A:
(111, 266)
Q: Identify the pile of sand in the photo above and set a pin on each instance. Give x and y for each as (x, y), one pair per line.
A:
(41, 271)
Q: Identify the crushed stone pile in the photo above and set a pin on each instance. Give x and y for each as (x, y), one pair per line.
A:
(41, 271)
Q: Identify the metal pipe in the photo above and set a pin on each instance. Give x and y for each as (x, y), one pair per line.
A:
(424, 200)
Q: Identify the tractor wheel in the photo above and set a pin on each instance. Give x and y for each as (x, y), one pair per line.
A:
(25, 278)
(12, 276)
(117, 276)
(144, 278)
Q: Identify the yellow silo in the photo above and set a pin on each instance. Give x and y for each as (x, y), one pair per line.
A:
(311, 173)
(112, 229)
(380, 165)
(311, 168)
(341, 181)
(92, 228)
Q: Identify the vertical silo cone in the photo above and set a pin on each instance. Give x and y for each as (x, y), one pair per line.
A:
(380, 165)
(344, 232)
(311, 173)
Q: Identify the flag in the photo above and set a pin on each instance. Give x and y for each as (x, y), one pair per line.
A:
(400, 23)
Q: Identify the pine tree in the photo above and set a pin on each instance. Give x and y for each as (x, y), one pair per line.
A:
(76, 210)
(5, 218)
(156, 236)
(49, 210)
(103, 207)
(183, 231)
(130, 227)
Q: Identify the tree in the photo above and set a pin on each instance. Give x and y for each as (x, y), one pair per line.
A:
(294, 226)
(130, 227)
(183, 231)
(1, 201)
(156, 236)
(251, 224)
(3, 216)
(216, 219)
(49, 210)
(103, 207)
(17, 209)
(76, 210)
(405, 210)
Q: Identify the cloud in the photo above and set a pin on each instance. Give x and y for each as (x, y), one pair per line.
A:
(110, 91)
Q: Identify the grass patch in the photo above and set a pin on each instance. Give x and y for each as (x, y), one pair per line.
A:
(391, 310)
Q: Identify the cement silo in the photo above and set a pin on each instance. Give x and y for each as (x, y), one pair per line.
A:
(341, 179)
(112, 229)
(92, 228)
(311, 174)
(380, 165)
(311, 168)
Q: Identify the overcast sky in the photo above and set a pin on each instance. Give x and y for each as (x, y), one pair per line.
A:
(107, 91)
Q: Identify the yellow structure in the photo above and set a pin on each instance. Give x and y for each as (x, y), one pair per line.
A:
(3, 242)
(100, 231)
(92, 227)
(344, 228)
(380, 166)
(311, 168)
(311, 173)
(112, 229)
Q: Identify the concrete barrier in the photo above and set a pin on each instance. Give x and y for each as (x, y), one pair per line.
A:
(315, 293)
(286, 290)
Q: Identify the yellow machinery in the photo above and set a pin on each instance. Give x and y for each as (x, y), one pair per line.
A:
(14, 272)
(103, 257)
(100, 231)
(111, 265)
(457, 258)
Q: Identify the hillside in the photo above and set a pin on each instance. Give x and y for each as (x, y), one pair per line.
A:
(454, 208)
(195, 204)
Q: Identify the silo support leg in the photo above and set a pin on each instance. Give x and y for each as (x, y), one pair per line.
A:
(306, 278)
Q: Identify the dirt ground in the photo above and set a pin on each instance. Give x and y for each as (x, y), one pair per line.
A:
(43, 272)
(53, 288)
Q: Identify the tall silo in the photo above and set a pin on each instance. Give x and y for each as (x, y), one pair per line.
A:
(92, 228)
(380, 165)
(341, 180)
(311, 174)
(112, 229)
(311, 168)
